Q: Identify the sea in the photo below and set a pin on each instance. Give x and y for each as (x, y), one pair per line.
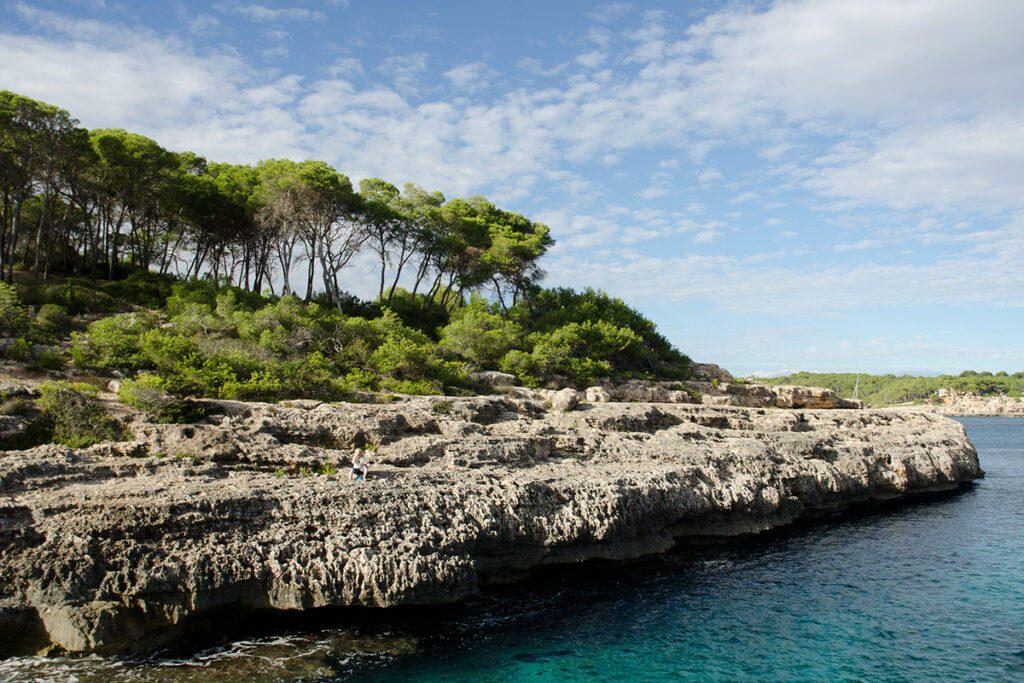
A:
(930, 590)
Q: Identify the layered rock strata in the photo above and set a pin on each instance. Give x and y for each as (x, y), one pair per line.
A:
(742, 394)
(124, 546)
(966, 404)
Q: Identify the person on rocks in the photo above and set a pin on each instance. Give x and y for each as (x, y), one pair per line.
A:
(360, 465)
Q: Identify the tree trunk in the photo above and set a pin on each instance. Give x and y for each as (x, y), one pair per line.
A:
(309, 278)
(39, 232)
(15, 225)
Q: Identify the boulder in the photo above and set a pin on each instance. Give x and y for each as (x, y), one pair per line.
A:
(493, 378)
(565, 400)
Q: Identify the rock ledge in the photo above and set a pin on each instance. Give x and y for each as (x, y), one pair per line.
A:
(123, 546)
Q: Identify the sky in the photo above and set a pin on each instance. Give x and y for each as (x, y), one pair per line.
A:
(817, 185)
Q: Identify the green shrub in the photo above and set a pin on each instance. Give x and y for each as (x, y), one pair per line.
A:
(75, 295)
(13, 315)
(420, 387)
(113, 343)
(52, 323)
(480, 334)
(163, 350)
(21, 349)
(76, 417)
(522, 365)
(401, 358)
(418, 313)
(143, 289)
(146, 393)
(48, 360)
(212, 295)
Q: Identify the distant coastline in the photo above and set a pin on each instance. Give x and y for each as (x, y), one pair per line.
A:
(969, 393)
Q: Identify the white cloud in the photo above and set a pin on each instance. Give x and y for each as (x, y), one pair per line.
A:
(744, 197)
(202, 23)
(708, 176)
(655, 191)
(405, 69)
(609, 12)
(470, 76)
(262, 13)
(977, 162)
(734, 285)
(863, 244)
(345, 66)
(706, 236)
(592, 60)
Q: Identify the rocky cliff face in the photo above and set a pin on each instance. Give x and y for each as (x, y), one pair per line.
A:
(124, 546)
(965, 404)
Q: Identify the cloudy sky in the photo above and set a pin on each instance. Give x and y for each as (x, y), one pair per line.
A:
(801, 184)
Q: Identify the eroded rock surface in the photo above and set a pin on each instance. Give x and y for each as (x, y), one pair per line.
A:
(125, 546)
(967, 404)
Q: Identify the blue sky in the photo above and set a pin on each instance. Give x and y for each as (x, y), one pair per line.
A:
(821, 185)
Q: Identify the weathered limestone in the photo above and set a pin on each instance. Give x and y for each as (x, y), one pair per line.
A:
(966, 404)
(113, 549)
(710, 372)
(565, 399)
(493, 378)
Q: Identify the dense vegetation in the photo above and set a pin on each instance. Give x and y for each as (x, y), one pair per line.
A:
(173, 274)
(106, 203)
(888, 389)
(201, 338)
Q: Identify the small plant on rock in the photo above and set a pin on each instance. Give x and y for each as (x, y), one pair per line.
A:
(75, 415)
(146, 393)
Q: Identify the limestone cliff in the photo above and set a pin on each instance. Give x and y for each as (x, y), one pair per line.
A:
(124, 546)
(966, 404)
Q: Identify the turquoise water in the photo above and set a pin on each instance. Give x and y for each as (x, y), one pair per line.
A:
(928, 591)
(932, 590)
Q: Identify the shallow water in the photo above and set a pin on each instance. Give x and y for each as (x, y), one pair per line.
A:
(932, 590)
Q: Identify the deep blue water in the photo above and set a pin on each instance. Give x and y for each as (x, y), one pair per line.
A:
(932, 590)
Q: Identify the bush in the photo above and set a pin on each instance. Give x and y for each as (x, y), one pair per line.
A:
(21, 349)
(76, 417)
(146, 393)
(522, 365)
(52, 324)
(114, 343)
(48, 360)
(144, 289)
(480, 335)
(213, 296)
(76, 296)
(13, 315)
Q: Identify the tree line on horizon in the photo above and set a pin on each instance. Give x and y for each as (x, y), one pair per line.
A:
(890, 389)
(107, 203)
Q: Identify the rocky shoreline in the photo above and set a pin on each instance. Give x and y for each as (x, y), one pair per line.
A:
(126, 546)
(963, 404)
